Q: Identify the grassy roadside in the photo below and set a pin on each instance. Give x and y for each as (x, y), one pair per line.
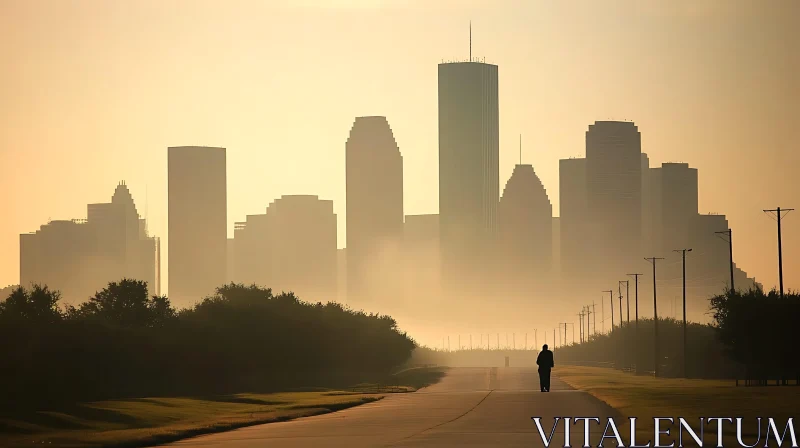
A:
(152, 421)
(646, 397)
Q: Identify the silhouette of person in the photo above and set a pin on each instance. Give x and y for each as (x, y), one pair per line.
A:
(545, 362)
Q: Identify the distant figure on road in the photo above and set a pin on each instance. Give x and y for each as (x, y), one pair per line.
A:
(545, 362)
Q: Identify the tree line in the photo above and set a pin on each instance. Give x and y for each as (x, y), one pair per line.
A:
(122, 343)
(752, 336)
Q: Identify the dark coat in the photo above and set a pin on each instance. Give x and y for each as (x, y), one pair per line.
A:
(545, 360)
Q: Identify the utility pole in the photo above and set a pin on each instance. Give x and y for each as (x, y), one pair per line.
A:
(573, 332)
(611, 301)
(683, 252)
(779, 216)
(636, 289)
(619, 290)
(588, 314)
(636, 324)
(603, 315)
(594, 320)
(655, 314)
(628, 299)
(729, 232)
(580, 326)
(554, 336)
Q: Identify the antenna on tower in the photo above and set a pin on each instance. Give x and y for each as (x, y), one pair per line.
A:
(470, 41)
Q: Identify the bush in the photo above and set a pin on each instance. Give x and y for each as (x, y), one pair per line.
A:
(122, 344)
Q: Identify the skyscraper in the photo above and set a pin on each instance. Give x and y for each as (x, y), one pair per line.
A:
(525, 231)
(197, 222)
(468, 169)
(678, 196)
(302, 247)
(291, 247)
(573, 219)
(614, 188)
(81, 256)
(374, 212)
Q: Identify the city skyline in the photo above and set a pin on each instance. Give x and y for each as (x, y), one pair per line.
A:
(754, 250)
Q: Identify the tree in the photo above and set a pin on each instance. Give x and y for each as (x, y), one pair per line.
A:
(39, 305)
(126, 304)
(758, 330)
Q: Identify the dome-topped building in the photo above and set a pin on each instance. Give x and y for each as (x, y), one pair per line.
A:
(525, 224)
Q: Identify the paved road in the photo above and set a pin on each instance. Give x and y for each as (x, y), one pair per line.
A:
(470, 407)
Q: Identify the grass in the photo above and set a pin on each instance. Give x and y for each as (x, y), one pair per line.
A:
(152, 421)
(647, 397)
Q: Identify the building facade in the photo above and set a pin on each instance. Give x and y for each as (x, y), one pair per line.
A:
(468, 170)
(614, 189)
(525, 234)
(81, 256)
(291, 247)
(197, 222)
(374, 212)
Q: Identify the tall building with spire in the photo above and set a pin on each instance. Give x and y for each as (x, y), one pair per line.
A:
(469, 173)
(374, 213)
(197, 224)
(79, 257)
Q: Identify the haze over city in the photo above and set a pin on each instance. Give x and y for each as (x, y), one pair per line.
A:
(280, 84)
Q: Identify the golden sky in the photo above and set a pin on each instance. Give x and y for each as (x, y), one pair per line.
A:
(93, 92)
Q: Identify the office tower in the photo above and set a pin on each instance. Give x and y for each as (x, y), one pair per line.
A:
(230, 260)
(81, 256)
(678, 204)
(647, 218)
(614, 187)
(574, 222)
(302, 247)
(59, 255)
(251, 251)
(197, 222)
(525, 234)
(341, 275)
(291, 247)
(556, 250)
(422, 259)
(468, 171)
(374, 212)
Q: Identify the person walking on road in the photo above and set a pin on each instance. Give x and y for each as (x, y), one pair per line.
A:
(545, 362)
